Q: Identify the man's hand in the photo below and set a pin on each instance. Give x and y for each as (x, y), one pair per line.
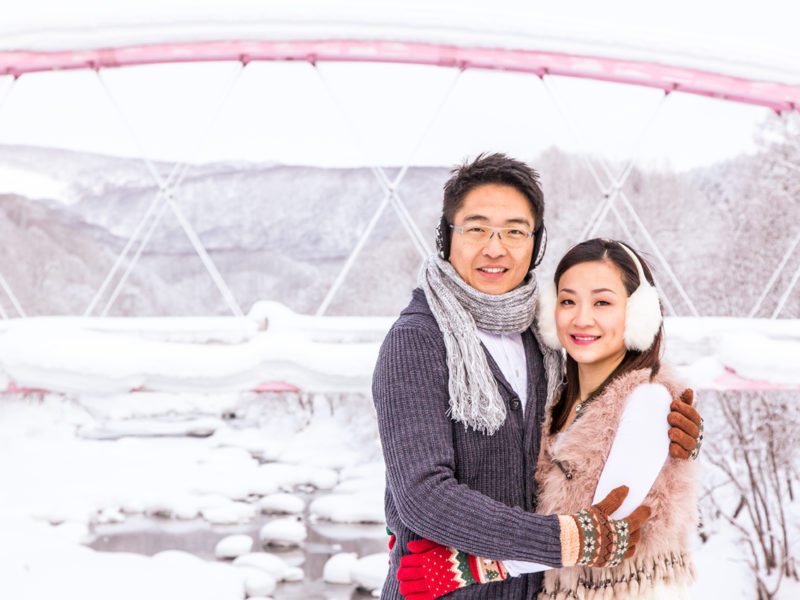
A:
(433, 570)
(604, 541)
(686, 427)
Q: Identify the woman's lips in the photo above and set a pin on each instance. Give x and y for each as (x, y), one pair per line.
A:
(583, 340)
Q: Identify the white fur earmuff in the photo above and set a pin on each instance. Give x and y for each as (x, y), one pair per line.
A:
(642, 318)
(546, 315)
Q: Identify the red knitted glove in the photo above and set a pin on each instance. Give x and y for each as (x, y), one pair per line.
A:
(433, 570)
(686, 427)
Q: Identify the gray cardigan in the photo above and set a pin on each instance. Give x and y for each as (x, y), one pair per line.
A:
(458, 487)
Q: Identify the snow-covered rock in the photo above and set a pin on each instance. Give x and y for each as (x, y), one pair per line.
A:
(269, 563)
(112, 514)
(349, 508)
(178, 506)
(282, 503)
(252, 440)
(231, 513)
(258, 582)
(284, 532)
(339, 567)
(233, 546)
(371, 571)
(288, 477)
(323, 443)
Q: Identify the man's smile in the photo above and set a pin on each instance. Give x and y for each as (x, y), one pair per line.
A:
(493, 272)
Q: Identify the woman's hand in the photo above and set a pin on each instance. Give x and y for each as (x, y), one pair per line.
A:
(686, 427)
(601, 540)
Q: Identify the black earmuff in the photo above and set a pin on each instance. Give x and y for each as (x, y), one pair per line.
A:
(443, 234)
(539, 245)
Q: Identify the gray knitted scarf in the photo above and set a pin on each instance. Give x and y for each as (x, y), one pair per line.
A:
(459, 310)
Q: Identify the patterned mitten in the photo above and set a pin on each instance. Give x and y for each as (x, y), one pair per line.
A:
(686, 427)
(433, 570)
(601, 541)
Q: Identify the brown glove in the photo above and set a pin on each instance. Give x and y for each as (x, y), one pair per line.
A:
(686, 427)
(604, 541)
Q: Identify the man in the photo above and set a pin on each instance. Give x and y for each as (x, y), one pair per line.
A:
(460, 389)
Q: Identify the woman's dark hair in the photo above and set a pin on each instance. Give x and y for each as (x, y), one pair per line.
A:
(599, 249)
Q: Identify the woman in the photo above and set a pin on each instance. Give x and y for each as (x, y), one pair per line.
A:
(608, 423)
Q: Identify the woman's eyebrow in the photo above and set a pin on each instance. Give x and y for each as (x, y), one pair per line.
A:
(597, 291)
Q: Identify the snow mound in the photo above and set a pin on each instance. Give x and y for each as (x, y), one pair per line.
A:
(258, 582)
(284, 532)
(289, 477)
(233, 546)
(269, 563)
(338, 568)
(282, 504)
(370, 571)
(349, 508)
(756, 357)
(322, 444)
(229, 514)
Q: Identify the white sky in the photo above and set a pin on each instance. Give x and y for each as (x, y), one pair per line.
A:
(284, 111)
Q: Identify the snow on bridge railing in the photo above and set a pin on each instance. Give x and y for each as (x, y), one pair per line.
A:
(775, 95)
(276, 350)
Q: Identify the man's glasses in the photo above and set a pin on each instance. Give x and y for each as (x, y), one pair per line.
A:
(511, 237)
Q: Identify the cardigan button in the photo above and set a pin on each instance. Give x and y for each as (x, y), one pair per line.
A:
(514, 403)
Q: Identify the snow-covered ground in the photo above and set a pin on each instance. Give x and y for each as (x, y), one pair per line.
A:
(149, 459)
(64, 495)
(64, 490)
(274, 348)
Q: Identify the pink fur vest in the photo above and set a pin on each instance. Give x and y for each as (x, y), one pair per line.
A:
(567, 478)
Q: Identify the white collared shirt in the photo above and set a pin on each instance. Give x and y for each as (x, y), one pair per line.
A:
(508, 352)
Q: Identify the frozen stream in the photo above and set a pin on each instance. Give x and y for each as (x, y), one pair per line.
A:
(148, 536)
(129, 495)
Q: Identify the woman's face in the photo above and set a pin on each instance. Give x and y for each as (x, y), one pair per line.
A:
(590, 313)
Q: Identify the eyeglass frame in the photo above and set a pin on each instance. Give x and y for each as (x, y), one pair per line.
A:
(498, 230)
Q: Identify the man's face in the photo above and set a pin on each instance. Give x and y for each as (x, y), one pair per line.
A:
(491, 267)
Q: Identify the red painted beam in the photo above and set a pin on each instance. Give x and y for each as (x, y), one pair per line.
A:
(777, 96)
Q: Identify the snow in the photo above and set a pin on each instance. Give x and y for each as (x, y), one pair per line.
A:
(339, 567)
(284, 532)
(679, 34)
(289, 477)
(721, 569)
(72, 480)
(350, 508)
(282, 503)
(272, 564)
(50, 569)
(257, 582)
(332, 449)
(230, 513)
(315, 354)
(756, 357)
(370, 571)
(76, 483)
(30, 184)
(60, 354)
(233, 546)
